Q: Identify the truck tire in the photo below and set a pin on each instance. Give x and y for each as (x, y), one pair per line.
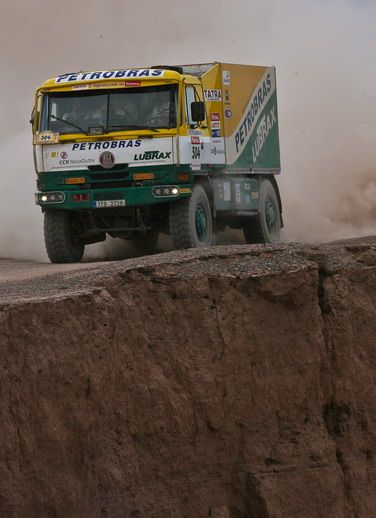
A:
(60, 230)
(191, 221)
(266, 225)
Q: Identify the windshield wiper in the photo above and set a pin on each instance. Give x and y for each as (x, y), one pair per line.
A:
(68, 123)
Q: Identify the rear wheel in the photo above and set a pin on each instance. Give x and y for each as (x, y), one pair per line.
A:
(191, 221)
(266, 225)
(61, 236)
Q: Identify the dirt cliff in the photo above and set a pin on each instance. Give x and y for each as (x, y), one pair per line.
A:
(228, 382)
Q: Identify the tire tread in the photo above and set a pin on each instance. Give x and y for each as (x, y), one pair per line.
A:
(253, 231)
(57, 238)
(182, 226)
(179, 224)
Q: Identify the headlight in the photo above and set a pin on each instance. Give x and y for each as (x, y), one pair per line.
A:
(50, 197)
(165, 191)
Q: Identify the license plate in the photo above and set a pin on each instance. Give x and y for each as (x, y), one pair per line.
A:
(109, 203)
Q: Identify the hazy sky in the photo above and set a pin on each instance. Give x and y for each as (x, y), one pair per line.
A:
(324, 54)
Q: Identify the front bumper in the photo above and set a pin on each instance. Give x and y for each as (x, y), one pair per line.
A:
(87, 199)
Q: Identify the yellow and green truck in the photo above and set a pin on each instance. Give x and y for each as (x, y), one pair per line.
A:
(185, 150)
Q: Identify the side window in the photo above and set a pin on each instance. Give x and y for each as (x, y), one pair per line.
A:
(190, 97)
(44, 118)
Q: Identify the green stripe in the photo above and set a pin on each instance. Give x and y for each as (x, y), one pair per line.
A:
(262, 151)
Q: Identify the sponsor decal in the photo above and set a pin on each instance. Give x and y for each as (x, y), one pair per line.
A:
(143, 176)
(80, 87)
(215, 116)
(215, 123)
(228, 113)
(226, 191)
(107, 159)
(238, 196)
(132, 83)
(216, 151)
(80, 155)
(82, 161)
(109, 84)
(195, 140)
(110, 74)
(77, 180)
(114, 144)
(226, 77)
(257, 103)
(195, 132)
(263, 129)
(213, 95)
(152, 155)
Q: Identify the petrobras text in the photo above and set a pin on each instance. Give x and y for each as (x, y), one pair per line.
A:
(258, 101)
(264, 127)
(115, 144)
(110, 74)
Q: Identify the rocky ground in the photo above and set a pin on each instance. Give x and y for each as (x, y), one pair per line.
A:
(224, 382)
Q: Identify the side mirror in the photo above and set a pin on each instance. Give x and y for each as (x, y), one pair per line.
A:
(32, 116)
(198, 111)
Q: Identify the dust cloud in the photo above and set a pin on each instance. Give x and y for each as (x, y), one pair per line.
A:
(327, 102)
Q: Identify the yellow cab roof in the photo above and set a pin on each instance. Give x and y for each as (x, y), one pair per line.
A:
(122, 77)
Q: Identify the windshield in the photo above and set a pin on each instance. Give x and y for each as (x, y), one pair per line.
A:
(110, 110)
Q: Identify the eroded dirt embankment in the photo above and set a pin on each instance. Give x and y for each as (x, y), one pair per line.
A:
(231, 382)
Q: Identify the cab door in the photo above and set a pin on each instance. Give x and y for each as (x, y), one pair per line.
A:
(196, 145)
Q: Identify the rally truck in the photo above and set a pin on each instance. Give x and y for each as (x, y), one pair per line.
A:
(185, 150)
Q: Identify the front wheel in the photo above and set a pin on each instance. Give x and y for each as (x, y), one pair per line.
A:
(191, 221)
(265, 227)
(61, 236)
